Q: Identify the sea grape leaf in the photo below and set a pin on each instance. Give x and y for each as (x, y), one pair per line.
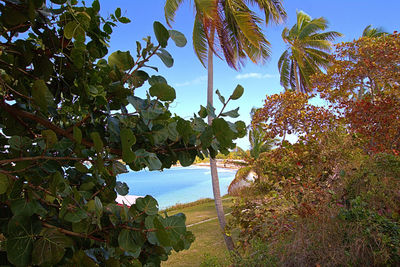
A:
(154, 79)
(175, 226)
(122, 188)
(119, 168)
(42, 95)
(122, 60)
(222, 132)
(232, 113)
(4, 183)
(237, 93)
(147, 204)
(165, 57)
(77, 133)
(161, 33)
(21, 235)
(161, 233)
(128, 139)
(131, 241)
(178, 38)
(221, 98)
(163, 91)
(98, 143)
(185, 158)
(49, 249)
(75, 216)
(50, 137)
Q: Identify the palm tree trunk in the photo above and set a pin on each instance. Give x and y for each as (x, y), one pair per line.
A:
(296, 75)
(213, 165)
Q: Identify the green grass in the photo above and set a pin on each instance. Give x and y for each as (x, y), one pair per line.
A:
(209, 240)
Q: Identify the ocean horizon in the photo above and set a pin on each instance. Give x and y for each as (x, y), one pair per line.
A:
(175, 185)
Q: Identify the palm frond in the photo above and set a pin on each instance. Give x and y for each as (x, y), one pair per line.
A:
(284, 69)
(170, 8)
(328, 36)
(200, 42)
(312, 27)
(372, 32)
(273, 10)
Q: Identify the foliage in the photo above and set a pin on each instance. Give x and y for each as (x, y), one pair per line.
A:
(372, 32)
(290, 113)
(307, 53)
(230, 27)
(364, 67)
(70, 122)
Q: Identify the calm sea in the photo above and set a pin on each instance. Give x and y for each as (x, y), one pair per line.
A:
(176, 185)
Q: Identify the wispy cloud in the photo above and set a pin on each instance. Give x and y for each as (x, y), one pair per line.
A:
(255, 75)
(195, 81)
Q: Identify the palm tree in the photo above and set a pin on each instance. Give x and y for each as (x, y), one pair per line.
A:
(232, 27)
(258, 144)
(307, 52)
(372, 32)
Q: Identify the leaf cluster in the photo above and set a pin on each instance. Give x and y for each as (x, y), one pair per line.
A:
(71, 122)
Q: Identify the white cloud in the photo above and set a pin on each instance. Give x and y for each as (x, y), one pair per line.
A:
(195, 81)
(255, 75)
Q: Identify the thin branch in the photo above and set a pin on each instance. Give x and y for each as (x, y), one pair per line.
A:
(67, 232)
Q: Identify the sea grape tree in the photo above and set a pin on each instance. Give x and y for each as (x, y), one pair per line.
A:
(70, 123)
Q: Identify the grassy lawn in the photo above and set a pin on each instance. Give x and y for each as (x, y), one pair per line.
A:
(209, 240)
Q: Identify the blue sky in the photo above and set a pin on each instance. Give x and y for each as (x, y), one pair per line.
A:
(188, 76)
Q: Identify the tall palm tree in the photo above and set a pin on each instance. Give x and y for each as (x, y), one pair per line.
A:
(372, 32)
(232, 27)
(307, 52)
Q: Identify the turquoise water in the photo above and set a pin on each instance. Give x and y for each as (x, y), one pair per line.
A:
(176, 185)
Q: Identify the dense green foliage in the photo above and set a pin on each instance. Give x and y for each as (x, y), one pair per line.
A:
(331, 198)
(70, 122)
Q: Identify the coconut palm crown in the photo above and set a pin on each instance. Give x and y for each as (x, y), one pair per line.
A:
(230, 28)
(372, 32)
(307, 52)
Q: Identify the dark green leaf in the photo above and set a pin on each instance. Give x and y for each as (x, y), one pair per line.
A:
(161, 233)
(185, 158)
(124, 20)
(165, 57)
(4, 183)
(203, 112)
(147, 204)
(128, 139)
(118, 13)
(50, 137)
(237, 93)
(232, 113)
(131, 241)
(122, 60)
(75, 216)
(49, 249)
(155, 79)
(178, 38)
(163, 92)
(21, 235)
(222, 132)
(175, 226)
(119, 168)
(161, 33)
(221, 98)
(41, 95)
(98, 143)
(122, 188)
(77, 134)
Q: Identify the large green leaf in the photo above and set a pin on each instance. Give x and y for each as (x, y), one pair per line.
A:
(122, 188)
(98, 143)
(161, 233)
(232, 113)
(77, 133)
(238, 92)
(49, 249)
(185, 158)
(122, 60)
(161, 33)
(75, 216)
(21, 235)
(165, 57)
(50, 137)
(128, 139)
(178, 38)
(163, 91)
(147, 204)
(42, 95)
(4, 183)
(222, 132)
(175, 226)
(131, 241)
